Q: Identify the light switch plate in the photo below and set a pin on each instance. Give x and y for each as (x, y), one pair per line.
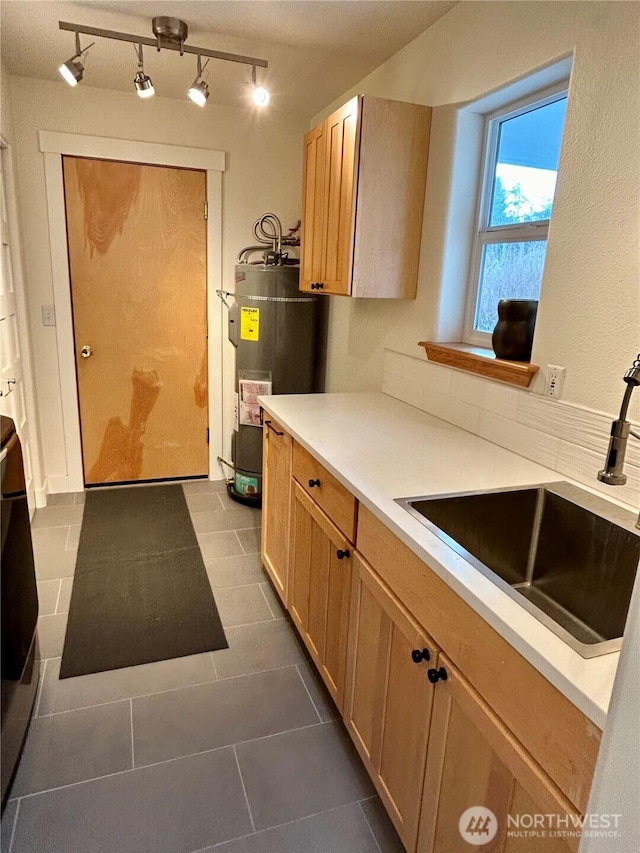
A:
(48, 315)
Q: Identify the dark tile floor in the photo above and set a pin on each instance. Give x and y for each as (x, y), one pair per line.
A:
(238, 751)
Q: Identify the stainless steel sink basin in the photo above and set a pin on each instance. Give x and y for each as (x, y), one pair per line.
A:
(567, 556)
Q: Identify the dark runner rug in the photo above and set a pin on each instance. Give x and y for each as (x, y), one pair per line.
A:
(140, 591)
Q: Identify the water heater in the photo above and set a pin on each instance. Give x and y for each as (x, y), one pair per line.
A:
(273, 327)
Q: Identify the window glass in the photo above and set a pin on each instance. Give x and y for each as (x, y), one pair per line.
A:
(523, 144)
(526, 165)
(508, 271)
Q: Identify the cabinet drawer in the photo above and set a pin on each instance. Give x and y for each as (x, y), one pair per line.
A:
(523, 698)
(338, 502)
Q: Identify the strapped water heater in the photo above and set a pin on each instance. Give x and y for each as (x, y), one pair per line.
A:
(273, 327)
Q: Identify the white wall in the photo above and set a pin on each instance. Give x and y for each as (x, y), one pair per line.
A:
(25, 389)
(263, 167)
(589, 314)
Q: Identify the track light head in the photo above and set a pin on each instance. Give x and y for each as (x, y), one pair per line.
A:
(259, 95)
(72, 70)
(199, 91)
(142, 82)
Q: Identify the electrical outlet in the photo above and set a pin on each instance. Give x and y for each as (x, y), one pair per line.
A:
(555, 381)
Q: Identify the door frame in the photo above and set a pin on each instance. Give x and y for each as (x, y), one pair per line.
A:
(54, 145)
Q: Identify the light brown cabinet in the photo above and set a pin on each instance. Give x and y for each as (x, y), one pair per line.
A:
(389, 697)
(444, 713)
(320, 588)
(276, 489)
(474, 760)
(552, 730)
(364, 174)
(330, 495)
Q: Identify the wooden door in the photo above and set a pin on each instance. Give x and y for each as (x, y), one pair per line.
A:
(320, 589)
(312, 207)
(474, 760)
(276, 503)
(340, 170)
(12, 401)
(137, 258)
(389, 697)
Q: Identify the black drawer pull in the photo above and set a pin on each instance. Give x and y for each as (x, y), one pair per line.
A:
(341, 554)
(313, 483)
(436, 674)
(418, 655)
(273, 429)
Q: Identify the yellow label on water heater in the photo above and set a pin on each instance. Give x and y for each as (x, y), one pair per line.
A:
(250, 324)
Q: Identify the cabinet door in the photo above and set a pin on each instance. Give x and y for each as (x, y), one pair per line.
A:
(389, 697)
(340, 172)
(320, 589)
(312, 207)
(276, 500)
(474, 760)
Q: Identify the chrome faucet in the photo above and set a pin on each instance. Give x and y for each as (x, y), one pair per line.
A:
(613, 472)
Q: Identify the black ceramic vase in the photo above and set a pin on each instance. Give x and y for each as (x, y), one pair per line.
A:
(512, 337)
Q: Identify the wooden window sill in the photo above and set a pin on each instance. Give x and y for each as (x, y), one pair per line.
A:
(481, 361)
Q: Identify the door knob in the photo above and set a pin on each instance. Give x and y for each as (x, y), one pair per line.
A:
(86, 351)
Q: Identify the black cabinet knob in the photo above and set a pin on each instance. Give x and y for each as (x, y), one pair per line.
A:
(317, 285)
(436, 674)
(418, 655)
(320, 285)
(341, 554)
(313, 483)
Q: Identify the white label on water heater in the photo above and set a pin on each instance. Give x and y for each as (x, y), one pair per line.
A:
(236, 411)
(250, 390)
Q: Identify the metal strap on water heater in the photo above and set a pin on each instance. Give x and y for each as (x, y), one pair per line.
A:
(223, 293)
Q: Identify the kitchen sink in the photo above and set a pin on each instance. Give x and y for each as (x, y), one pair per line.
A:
(566, 555)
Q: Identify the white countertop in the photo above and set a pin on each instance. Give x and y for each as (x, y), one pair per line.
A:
(381, 449)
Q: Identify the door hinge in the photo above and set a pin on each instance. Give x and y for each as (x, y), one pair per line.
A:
(207, 435)
(206, 210)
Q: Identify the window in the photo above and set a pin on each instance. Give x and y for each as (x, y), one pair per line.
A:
(522, 149)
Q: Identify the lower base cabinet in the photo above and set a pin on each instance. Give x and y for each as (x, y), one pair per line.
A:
(389, 697)
(320, 589)
(426, 731)
(276, 483)
(473, 760)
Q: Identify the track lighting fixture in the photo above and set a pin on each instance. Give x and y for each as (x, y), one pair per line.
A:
(72, 70)
(143, 84)
(260, 95)
(170, 34)
(199, 91)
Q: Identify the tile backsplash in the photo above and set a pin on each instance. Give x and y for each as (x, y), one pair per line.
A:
(569, 439)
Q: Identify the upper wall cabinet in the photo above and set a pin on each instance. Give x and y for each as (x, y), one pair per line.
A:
(364, 173)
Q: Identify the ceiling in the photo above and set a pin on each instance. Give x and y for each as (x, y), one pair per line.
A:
(316, 49)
